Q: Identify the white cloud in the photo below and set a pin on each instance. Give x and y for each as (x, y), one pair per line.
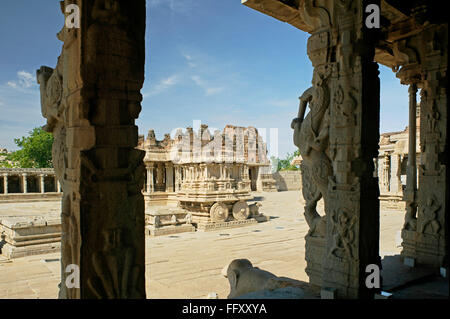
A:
(283, 103)
(180, 6)
(190, 60)
(212, 91)
(163, 85)
(208, 89)
(25, 80)
(187, 56)
(12, 84)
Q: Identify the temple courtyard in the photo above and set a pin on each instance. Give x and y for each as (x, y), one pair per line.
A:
(189, 265)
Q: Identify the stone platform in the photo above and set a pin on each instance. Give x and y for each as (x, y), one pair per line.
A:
(225, 225)
(29, 235)
(165, 220)
(169, 230)
(232, 223)
(30, 197)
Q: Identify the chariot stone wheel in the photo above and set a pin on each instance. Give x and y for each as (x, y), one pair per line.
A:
(218, 212)
(241, 211)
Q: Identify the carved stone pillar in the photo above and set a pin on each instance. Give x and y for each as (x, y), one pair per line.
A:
(91, 101)
(169, 177)
(150, 184)
(410, 194)
(205, 172)
(433, 194)
(177, 177)
(338, 141)
(5, 183)
(160, 177)
(387, 172)
(399, 173)
(411, 185)
(42, 183)
(425, 234)
(57, 185)
(24, 183)
(393, 182)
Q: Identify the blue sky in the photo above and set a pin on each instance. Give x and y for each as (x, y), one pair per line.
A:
(217, 62)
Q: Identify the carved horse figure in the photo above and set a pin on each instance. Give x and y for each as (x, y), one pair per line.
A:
(311, 136)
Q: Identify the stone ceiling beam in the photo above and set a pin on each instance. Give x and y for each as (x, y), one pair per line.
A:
(280, 11)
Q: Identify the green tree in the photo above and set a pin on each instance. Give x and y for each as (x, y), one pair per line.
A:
(35, 152)
(285, 164)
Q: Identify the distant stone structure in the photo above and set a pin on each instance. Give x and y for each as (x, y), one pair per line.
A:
(184, 190)
(392, 164)
(391, 167)
(29, 235)
(19, 184)
(208, 176)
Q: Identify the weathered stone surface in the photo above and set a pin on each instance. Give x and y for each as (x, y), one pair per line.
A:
(338, 138)
(29, 235)
(167, 220)
(91, 100)
(288, 180)
(424, 65)
(245, 279)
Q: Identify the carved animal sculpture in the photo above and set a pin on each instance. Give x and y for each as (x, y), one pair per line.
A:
(244, 278)
(311, 137)
(254, 209)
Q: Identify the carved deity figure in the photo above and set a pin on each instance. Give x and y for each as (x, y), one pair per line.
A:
(430, 223)
(311, 136)
(344, 236)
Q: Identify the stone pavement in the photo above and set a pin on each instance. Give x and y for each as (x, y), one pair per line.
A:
(188, 265)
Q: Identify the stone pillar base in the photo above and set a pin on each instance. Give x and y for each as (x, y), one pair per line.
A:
(425, 249)
(408, 244)
(314, 255)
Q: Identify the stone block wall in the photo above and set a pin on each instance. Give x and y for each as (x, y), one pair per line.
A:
(288, 180)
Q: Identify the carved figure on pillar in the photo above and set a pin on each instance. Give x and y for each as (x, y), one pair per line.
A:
(311, 137)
